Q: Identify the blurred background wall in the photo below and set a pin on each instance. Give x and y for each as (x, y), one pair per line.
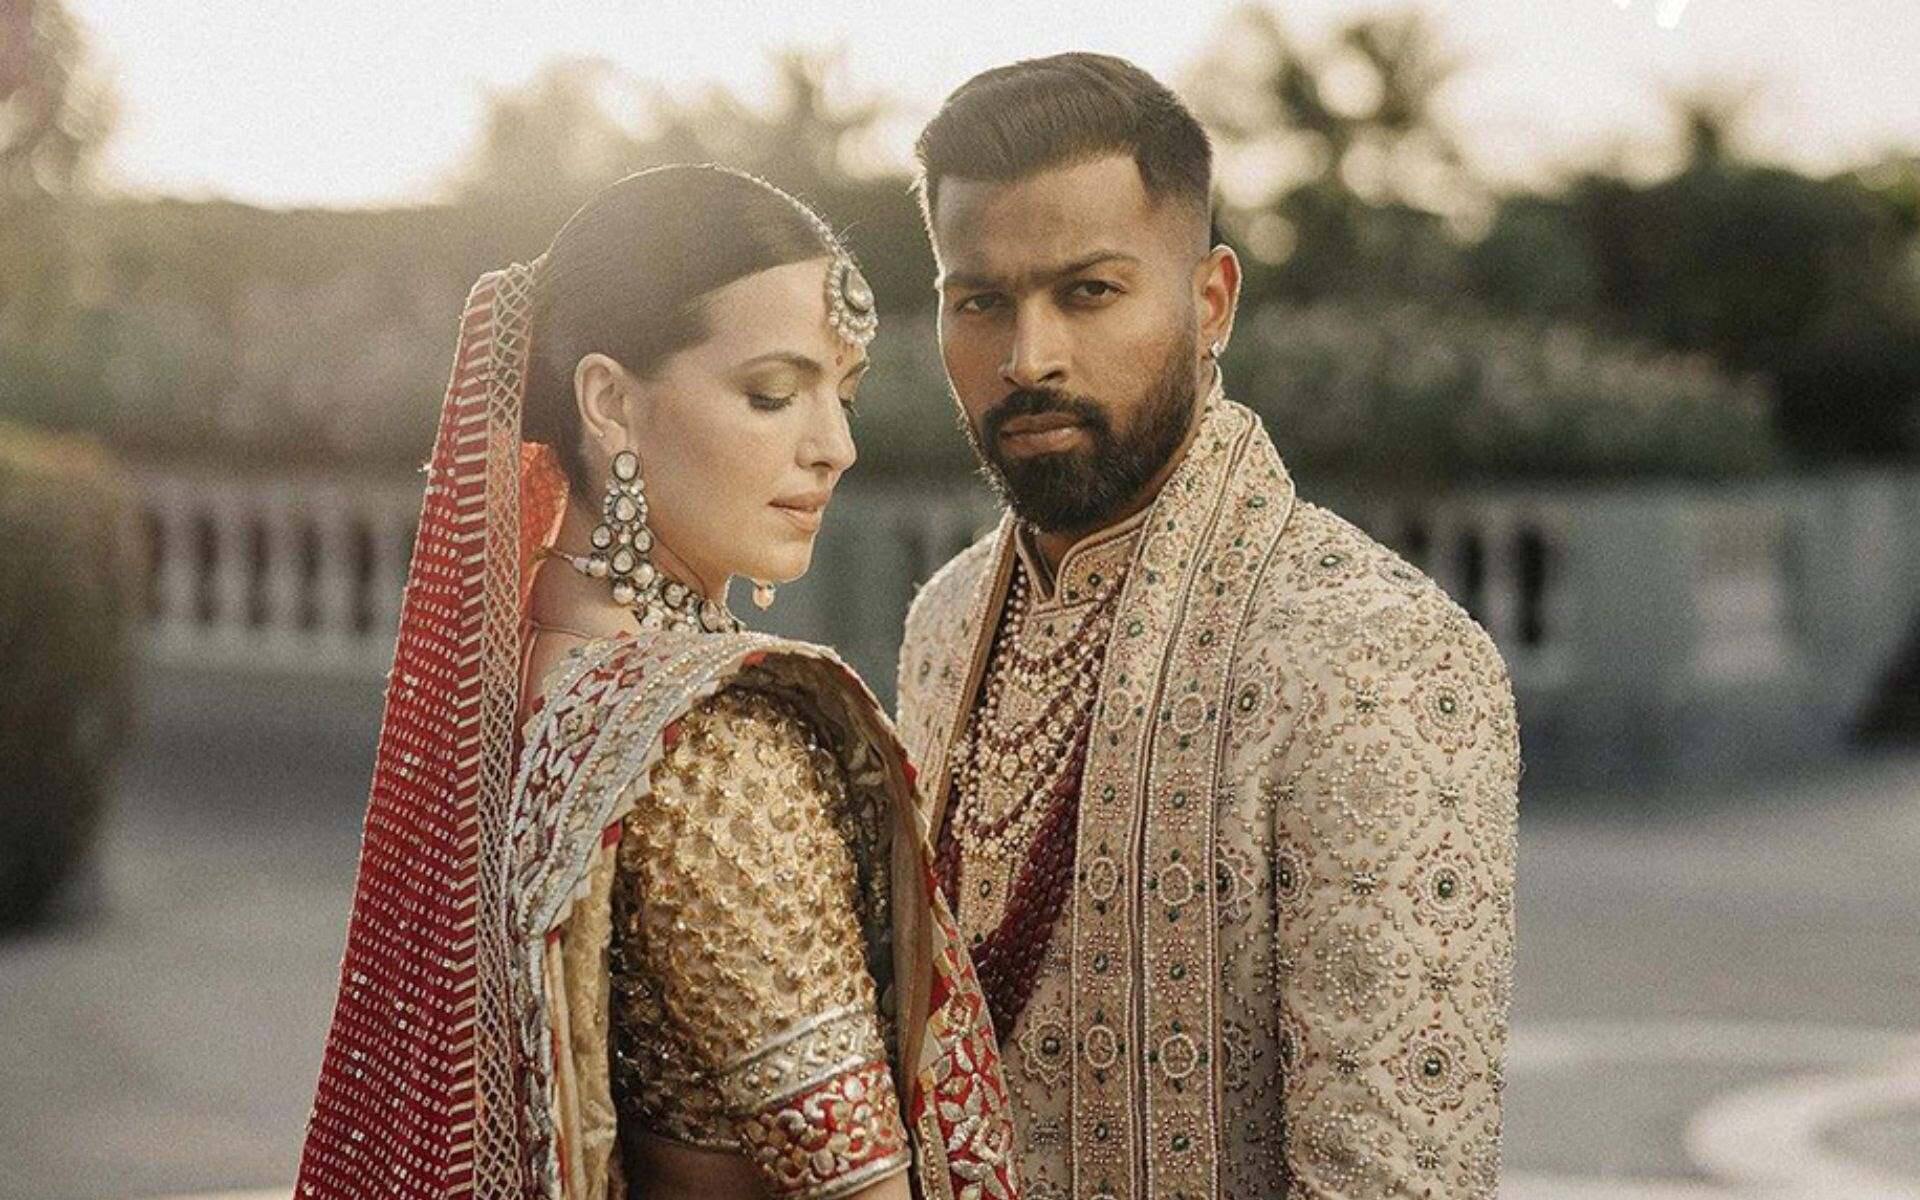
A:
(1631, 365)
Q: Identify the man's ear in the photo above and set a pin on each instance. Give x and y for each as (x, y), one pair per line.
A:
(1217, 287)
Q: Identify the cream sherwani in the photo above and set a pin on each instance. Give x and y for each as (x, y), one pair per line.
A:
(1283, 964)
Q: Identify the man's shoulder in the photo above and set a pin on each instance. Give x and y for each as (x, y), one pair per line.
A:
(1331, 584)
(945, 597)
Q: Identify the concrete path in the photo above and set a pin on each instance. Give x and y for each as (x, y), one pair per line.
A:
(1718, 996)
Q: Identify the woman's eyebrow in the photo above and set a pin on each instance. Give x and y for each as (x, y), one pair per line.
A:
(790, 358)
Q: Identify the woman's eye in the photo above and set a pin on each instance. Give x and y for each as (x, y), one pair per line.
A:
(768, 403)
(851, 404)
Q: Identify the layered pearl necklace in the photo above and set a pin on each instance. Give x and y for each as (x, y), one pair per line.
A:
(1019, 742)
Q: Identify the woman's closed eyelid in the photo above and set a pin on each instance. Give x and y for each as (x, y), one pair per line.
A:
(768, 403)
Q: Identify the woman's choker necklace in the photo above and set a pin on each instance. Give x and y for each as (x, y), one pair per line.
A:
(656, 601)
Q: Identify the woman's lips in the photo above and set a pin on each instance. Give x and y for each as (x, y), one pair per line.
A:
(805, 515)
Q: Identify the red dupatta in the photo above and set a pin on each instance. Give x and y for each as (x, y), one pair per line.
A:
(417, 1091)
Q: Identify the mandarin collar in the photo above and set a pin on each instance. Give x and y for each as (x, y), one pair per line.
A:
(1093, 560)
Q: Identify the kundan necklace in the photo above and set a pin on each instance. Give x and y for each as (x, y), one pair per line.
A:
(623, 553)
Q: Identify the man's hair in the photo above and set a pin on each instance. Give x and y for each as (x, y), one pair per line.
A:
(1044, 113)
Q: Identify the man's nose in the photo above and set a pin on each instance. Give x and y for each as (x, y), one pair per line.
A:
(1040, 350)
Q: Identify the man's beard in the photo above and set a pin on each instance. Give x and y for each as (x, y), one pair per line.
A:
(1079, 490)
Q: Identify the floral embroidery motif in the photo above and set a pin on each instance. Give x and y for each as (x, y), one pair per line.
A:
(1433, 1073)
(1446, 888)
(960, 1103)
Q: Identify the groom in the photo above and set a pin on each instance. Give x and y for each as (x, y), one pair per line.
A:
(1224, 791)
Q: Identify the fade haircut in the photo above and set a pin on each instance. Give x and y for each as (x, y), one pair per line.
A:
(1043, 113)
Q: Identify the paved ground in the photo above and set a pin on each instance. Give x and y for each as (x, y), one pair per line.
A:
(1719, 994)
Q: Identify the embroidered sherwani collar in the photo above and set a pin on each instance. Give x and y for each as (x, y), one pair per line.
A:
(1205, 465)
(1093, 560)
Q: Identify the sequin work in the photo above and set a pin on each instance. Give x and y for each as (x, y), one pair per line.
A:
(1283, 965)
(745, 1014)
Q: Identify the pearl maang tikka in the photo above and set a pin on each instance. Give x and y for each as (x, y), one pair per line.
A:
(622, 552)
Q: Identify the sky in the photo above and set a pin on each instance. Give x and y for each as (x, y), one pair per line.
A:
(371, 102)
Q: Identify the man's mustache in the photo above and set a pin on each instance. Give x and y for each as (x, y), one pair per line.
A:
(1033, 402)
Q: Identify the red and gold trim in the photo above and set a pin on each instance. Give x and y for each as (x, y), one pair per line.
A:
(833, 1138)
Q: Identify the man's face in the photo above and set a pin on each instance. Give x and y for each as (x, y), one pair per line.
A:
(1070, 328)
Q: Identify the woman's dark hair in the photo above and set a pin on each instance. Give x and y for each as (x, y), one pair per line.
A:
(627, 274)
(1042, 113)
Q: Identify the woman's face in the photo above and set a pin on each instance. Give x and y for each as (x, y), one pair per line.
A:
(743, 437)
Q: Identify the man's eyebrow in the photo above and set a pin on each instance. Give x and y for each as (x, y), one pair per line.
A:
(976, 281)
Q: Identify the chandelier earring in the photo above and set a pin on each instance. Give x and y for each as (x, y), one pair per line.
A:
(623, 553)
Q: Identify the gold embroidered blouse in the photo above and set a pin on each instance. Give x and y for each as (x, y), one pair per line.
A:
(743, 1003)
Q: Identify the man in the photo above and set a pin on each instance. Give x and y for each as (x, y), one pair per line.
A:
(1224, 791)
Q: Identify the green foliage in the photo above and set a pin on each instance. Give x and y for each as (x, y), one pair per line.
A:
(1533, 259)
(1412, 396)
(66, 606)
(1808, 282)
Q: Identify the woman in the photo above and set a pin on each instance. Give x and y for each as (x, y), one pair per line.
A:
(644, 905)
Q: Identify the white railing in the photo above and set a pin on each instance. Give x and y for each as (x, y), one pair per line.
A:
(1632, 618)
(287, 573)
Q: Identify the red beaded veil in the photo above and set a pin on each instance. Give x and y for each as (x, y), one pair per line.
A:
(416, 1096)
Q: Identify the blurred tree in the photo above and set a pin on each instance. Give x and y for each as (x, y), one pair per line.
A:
(1813, 283)
(580, 125)
(1337, 174)
(54, 116)
(1712, 117)
(1415, 396)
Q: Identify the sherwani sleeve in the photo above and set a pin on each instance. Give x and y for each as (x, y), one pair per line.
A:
(1393, 876)
(747, 894)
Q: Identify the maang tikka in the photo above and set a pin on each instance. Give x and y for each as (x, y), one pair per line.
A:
(622, 552)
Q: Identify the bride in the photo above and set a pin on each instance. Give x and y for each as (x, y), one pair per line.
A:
(644, 906)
